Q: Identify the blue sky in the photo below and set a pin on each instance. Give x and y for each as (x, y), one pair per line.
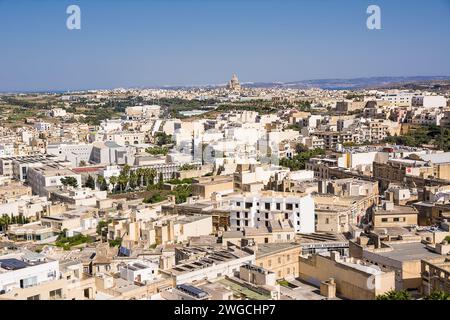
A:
(138, 43)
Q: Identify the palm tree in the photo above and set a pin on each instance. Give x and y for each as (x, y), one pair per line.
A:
(123, 181)
(438, 295)
(5, 221)
(126, 170)
(395, 295)
(133, 180)
(113, 181)
(101, 182)
(139, 174)
(152, 175)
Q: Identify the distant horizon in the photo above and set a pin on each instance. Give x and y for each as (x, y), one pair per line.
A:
(409, 79)
(174, 43)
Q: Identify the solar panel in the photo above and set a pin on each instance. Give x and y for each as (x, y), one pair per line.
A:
(192, 290)
(13, 264)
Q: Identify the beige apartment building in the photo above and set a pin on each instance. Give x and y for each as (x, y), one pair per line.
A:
(14, 190)
(204, 187)
(281, 258)
(336, 214)
(354, 279)
(390, 215)
(404, 256)
(436, 166)
(436, 275)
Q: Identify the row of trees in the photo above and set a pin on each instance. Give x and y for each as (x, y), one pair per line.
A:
(405, 295)
(439, 136)
(69, 181)
(6, 220)
(157, 151)
(128, 179)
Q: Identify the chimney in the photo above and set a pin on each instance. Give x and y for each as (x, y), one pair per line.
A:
(388, 206)
(335, 255)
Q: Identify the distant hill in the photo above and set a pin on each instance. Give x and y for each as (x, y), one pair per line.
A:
(349, 84)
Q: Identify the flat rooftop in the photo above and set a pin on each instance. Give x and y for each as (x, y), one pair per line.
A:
(241, 290)
(409, 251)
(266, 249)
(210, 257)
(396, 210)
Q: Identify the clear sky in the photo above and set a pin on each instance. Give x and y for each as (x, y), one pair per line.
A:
(139, 43)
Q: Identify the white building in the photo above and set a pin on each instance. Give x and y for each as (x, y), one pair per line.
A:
(42, 126)
(23, 270)
(58, 112)
(75, 153)
(142, 112)
(41, 178)
(398, 99)
(257, 210)
(139, 271)
(429, 101)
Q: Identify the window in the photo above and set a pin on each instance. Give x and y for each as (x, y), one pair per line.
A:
(267, 206)
(288, 206)
(279, 260)
(36, 297)
(55, 294)
(269, 263)
(248, 205)
(286, 216)
(246, 223)
(384, 219)
(238, 214)
(28, 282)
(327, 221)
(278, 205)
(238, 204)
(396, 219)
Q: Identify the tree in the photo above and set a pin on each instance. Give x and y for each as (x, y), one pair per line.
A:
(69, 181)
(102, 224)
(300, 147)
(155, 151)
(154, 198)
(160, 180)
(162, 138)
(90, 182)
(101, 181)
(182, 192)
(115, 243)
(395, 295)
(113, 181)
(299, 160)
(133, 180)
(438, 295)
(123, 181)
